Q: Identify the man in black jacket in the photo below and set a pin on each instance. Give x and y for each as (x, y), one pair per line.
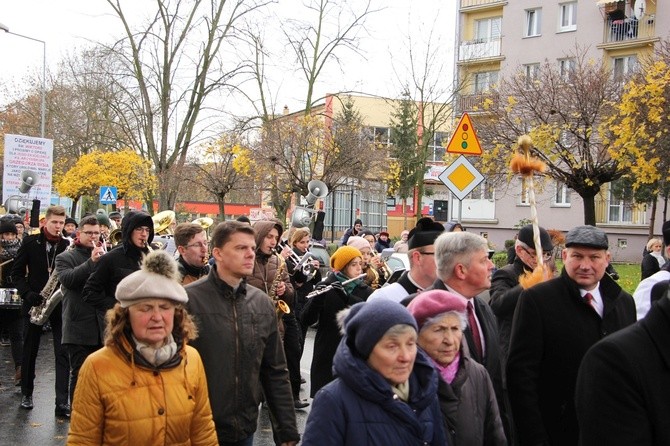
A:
(81, 334)
(33, 265)
(555, 323)
(124, 259)
(239, 342)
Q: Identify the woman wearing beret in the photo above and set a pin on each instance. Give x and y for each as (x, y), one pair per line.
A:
(465, 391)
(339, 291)
(385, 390)
(146, 386)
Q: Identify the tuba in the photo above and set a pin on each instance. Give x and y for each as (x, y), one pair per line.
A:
(162, 222)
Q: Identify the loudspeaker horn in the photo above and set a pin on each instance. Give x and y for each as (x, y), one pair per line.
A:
(301, 217)
(29, 178)
(316, 189)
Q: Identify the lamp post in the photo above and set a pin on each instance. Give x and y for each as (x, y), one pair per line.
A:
(44, 73)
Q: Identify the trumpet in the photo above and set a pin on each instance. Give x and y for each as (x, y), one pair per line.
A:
(330, 287)
(300, 262)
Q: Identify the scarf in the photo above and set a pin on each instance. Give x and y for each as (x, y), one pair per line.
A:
(9, 249)
(402, 390)
(349, 288)
(53, 239)
(448, 372)
(659, 258)
(157, 356)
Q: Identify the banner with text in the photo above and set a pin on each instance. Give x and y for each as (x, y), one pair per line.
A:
(28, 167)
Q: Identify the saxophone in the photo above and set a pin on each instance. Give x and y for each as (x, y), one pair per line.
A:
(39, 314)
(51, 297)
(280, 306)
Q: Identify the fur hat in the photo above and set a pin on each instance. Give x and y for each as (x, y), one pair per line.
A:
(367, 322)
(7, 226)
(358, 242)
(435, 302)
(424, 233)
(158, 278)
(343, 256)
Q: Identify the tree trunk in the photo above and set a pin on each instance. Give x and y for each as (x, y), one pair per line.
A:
(589, 209)
(73, 212)
(222, 208)
(404, 212)
(652, 219)
(419, 198)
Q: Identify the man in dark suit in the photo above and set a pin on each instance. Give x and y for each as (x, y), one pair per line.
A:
(555, 323)
(464, 268)
(623, 386)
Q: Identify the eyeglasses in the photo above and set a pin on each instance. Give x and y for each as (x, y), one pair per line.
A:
(426, 253)
(546, 255)
(197, 245)
(143, 229)
(91, 233)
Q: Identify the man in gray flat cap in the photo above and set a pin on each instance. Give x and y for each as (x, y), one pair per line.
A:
(555, 323)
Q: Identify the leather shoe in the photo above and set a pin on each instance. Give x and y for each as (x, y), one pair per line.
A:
(300, 404)
(62, 410)
(27, 402)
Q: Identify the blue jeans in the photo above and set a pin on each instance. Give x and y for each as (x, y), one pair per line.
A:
(249, 441)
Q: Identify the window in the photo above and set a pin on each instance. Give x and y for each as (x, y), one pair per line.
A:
(523, 193)
(436, 147)
(379, 135)
(488, 29)
(532, 72)
(484, 191)
(620, 209)
(566, 67)
(561, 194)
(623, 66)
(533, 22)
(485, 81)
(567, 17)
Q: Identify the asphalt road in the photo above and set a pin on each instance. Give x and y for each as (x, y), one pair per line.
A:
(40, 427)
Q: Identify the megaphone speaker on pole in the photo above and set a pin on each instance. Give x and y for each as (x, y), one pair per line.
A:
(316, 189)
(29, 178)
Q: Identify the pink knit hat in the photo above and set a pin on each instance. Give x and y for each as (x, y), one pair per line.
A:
(358, 242)
(434, 302)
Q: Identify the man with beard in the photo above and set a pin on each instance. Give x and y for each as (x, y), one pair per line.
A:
(32, 268)
(81, 334)
(124, 259)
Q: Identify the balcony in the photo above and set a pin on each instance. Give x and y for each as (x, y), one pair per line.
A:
(476, 103)
(629, 31)
(481, 4)
(479, 50)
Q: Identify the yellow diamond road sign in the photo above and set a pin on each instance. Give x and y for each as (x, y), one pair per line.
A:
(461, 177)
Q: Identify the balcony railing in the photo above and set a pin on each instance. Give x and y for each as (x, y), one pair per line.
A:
(479, 49)
(476, 103)
(629, 29)
(473, 3)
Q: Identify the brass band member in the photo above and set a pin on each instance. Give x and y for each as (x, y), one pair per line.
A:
(10, 319)
(303, 285)
(191, 241)
(105, 228)
(32, 267)
(371, 262)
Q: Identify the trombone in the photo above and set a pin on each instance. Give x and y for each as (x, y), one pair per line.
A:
(301, 263)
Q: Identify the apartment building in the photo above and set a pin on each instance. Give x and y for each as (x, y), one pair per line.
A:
(500, 37)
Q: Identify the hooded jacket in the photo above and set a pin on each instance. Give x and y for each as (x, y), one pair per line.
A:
(114, 266)
(359, 407)
(266, 266)
(119, 399)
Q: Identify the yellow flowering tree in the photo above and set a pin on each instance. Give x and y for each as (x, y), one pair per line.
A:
(639, 131)
(560, 107)
(125, 169)
(220, 166)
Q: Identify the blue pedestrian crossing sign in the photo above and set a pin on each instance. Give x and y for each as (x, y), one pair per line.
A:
(108, 195)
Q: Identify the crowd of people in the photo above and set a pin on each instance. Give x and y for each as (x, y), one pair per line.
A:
(153, 347)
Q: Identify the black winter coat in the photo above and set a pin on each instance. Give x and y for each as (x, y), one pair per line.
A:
(623, 387)
(30, 270)
(552, 330)
(323, 309)
(80, 323)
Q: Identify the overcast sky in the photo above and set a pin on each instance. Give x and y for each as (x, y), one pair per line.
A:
(67, 24)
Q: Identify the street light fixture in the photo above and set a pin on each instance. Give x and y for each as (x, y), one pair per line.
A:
(4, 28)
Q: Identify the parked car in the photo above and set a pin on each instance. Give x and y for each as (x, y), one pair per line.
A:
(395, 260)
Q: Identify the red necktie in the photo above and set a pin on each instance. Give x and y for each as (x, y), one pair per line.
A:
(588, 297)
(475, 330)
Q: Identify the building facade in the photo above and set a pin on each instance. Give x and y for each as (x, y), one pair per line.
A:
(499, 37)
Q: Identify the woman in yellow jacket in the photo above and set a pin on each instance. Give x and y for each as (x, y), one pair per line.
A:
(146, 386)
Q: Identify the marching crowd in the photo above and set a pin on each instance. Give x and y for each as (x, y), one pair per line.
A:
(156, 347)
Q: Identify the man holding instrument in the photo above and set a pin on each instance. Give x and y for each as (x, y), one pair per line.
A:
(81, 334)
(32, 267)
(191, 241)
